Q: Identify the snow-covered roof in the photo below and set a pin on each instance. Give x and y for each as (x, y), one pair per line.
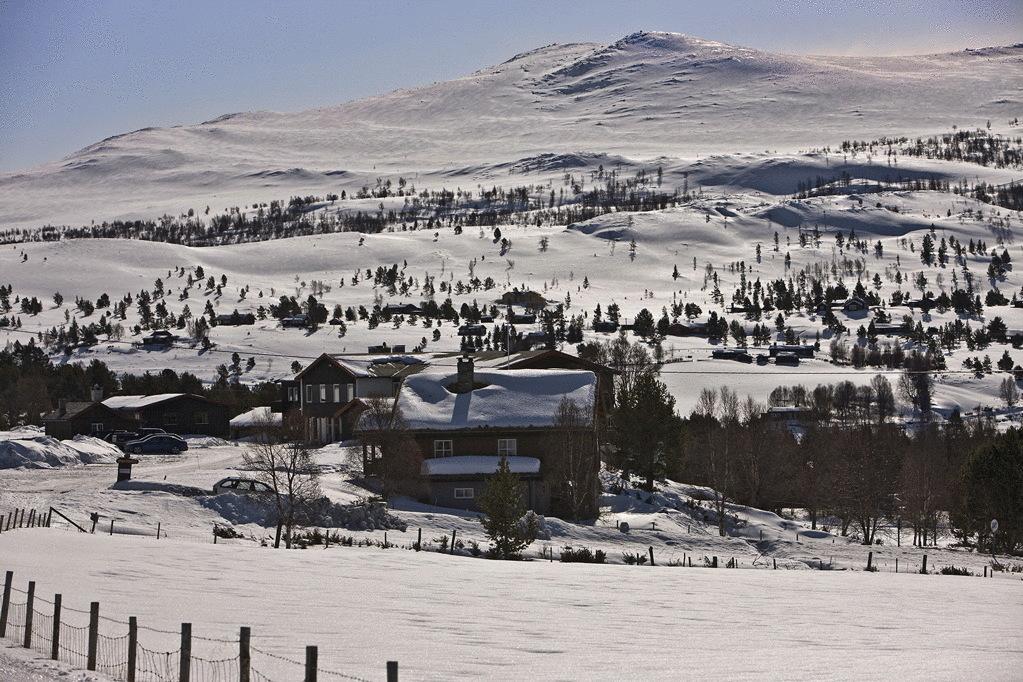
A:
(135, 402)
(257, 415)
(477, 464)
(506, 399)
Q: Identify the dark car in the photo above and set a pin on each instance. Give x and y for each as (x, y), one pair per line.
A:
(157, 443)
(119, 438)
(243, 486)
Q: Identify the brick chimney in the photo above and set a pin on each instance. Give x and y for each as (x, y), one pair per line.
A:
(466, 378)
(96, 394)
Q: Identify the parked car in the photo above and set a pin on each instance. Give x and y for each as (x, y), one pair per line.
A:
(243, 486)
(157, 443)
(119, 438)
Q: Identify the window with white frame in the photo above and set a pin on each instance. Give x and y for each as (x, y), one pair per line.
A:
(507, 447)
(202, 418)
(337, 393)
(349, 392)
(293, 394)
(443, 448)
(323, 393)
(465, 493)
(309, 393)
(97, 427)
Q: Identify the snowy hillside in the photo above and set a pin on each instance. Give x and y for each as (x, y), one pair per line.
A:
(646, 96)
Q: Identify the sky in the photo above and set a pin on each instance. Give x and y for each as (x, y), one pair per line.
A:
(73, 73)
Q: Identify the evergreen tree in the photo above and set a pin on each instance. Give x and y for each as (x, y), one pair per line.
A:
(503, 522)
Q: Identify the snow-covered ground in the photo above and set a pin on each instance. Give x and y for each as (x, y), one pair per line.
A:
(447, 618)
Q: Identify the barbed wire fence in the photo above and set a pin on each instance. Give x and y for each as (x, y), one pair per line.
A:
(115, 648)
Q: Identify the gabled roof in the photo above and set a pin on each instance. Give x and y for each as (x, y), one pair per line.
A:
(365, 366)
(71, 410)
(137, 402)
(505, 399)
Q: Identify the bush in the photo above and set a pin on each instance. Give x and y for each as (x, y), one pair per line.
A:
(952, 570)
(637, 559)
(583, 555)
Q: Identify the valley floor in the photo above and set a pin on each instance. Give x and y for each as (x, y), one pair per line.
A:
(446, 618)
(454, 617)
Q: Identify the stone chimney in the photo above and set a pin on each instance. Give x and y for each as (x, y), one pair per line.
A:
(97, 393)
(466, 379)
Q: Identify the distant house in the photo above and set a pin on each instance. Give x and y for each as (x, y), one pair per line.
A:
(160, 338)
(798, 350)
(87, 417)
(687, 329)
(605, 326)
(175, 412)
(472, 330)
(330, 393)
(401, 309)
(385, 349)
(236, 319)
(786, 358)
(534, 339)
(855, 304)
(295, 322)
(464, 422)
(530, 300)
(521, 318)
(739, 354)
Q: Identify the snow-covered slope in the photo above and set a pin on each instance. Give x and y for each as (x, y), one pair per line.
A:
(647, 95)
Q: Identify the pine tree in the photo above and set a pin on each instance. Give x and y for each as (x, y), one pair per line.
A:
(501, 503)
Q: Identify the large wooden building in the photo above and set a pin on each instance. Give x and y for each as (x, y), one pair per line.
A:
(464, 422)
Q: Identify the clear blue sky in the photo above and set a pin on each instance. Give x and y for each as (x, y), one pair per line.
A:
(72, 73)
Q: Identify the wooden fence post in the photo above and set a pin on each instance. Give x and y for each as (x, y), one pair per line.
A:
(419, 542)
(453, 542)
(111, 526)
(31, 517)
(1, 523)
(896, 564)
(133, 646)
(55, 636)
(310, 663)
(29, 612)
(244, 654)
(714, 562)
(185, 663)
(157, 530)
(49, 517)
(924, 570)
(392, 671)
(651, 555)
(775, 560)
(93, 635)
(5, 608)
(870, 560)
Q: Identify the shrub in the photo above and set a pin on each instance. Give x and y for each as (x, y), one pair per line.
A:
(583, 555)
(952, 570)
(634, 559)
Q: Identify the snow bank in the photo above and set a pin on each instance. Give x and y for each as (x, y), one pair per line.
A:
(29, 447)
(205, 442)
(241, 509)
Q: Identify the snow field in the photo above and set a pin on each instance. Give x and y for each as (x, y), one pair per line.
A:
(447, 618)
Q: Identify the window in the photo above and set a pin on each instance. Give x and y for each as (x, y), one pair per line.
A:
(202, 418)
(464, 493)
(323, 393)
(349, 392)
(309, 393)
(97, 427)
(507, 447)
(442, 448)
(170, 418)
(337, 393)
(293, 394)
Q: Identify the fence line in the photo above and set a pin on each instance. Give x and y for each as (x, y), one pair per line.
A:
(123, 657)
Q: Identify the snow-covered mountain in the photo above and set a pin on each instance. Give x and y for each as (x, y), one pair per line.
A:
(647, 95)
